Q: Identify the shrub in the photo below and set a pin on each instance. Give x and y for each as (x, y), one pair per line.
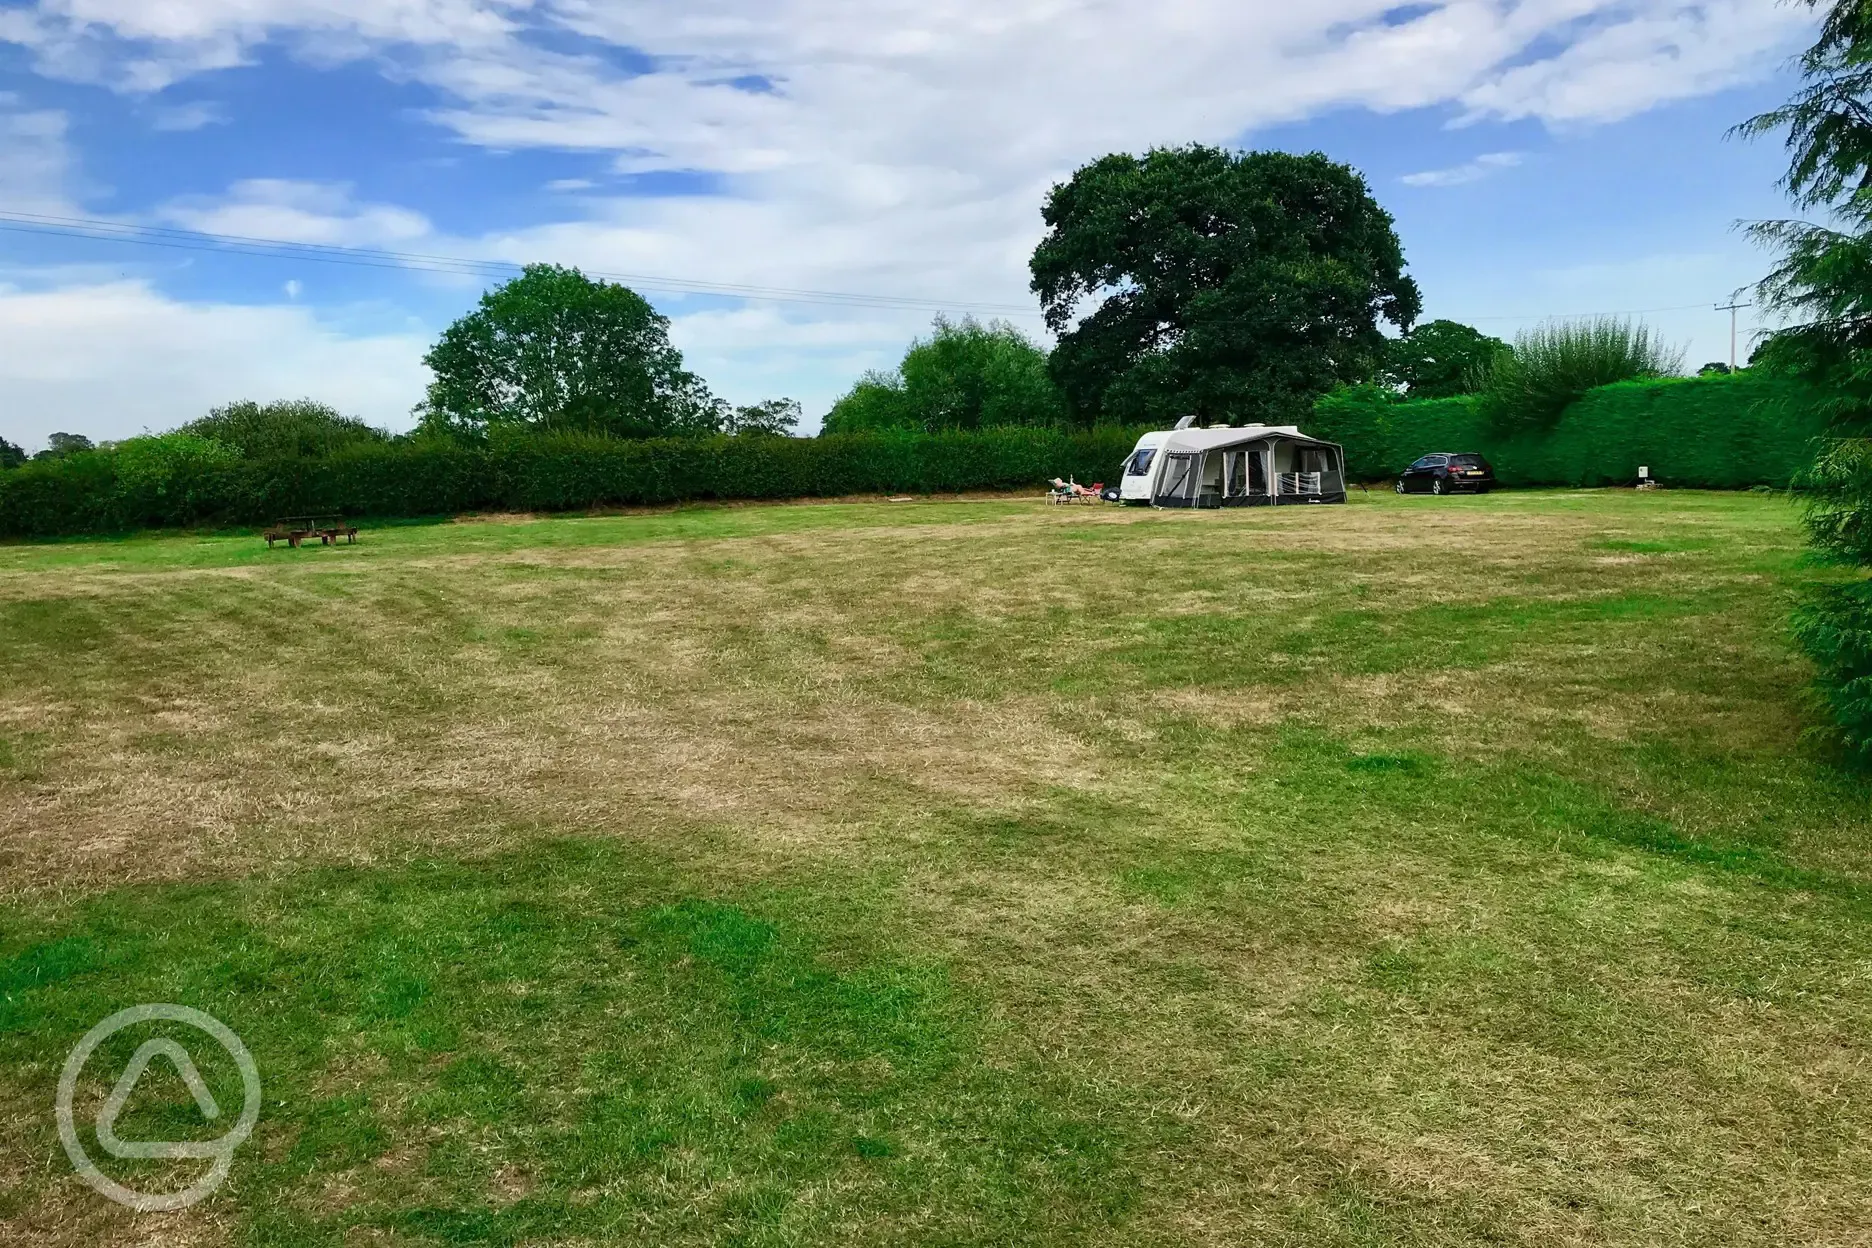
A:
(1556, 362)
(1833, 624)
(282, 430)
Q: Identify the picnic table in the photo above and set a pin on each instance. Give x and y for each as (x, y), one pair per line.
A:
(295, 529)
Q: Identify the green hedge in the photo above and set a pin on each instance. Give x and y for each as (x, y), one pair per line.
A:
(160, 482)
(1715, 432)
(1708, 432)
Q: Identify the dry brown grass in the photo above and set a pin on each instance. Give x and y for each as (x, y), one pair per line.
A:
(1101, 759)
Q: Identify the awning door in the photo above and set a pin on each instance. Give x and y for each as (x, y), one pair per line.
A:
(1178, 486)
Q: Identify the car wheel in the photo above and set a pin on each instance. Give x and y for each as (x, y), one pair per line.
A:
(1399, 487)
(1436, 486)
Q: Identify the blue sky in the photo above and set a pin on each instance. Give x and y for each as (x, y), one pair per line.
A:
(1543, 157)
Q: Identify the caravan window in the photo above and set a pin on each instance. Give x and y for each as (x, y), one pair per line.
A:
(1140, 463)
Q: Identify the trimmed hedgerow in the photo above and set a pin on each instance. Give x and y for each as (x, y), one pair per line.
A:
(1707, 432)
(133, 486)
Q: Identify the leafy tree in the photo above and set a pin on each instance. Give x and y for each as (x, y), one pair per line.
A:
(774, 418)
(59, 445)
(555, 351)
(1231, 285)
(875, 403)
(1715, 368)
(11, 456)
(1441, 359)
(1822, 286)
(965, 375)
(1556, 362)
(290, 429)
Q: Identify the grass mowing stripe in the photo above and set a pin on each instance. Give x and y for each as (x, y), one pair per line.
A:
(561, 1044)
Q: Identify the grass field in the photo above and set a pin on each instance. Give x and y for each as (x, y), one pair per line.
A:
(1418, 871)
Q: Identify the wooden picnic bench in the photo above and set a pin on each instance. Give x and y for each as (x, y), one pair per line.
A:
(295, 529)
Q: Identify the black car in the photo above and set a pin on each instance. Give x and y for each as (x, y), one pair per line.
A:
(1447, 473)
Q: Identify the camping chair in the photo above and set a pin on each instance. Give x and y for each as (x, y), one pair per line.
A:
(1073, 492)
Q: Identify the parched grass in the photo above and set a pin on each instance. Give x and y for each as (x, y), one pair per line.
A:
(1417, 871)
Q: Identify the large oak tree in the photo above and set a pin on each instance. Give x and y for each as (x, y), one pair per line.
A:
(555, 351)
(1236, 286)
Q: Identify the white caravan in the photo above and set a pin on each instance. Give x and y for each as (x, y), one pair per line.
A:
(1239, 466)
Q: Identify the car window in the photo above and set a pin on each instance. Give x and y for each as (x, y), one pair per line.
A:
(1428, 461)
(1466, 461)
(1140, 463)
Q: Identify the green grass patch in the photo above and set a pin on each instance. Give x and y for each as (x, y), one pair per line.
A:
(566, 1044)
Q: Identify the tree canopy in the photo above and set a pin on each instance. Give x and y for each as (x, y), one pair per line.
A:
(773, 418)
(11, 456)
(965, 375)
(1441, 359)
(555, 351)
(59, 445)
(290, 429)
(1821, 286)
(1231, 285)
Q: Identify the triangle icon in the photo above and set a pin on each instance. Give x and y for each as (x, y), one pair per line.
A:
(126, 1085)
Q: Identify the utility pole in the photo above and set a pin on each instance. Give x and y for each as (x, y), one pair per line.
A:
(1731, 308)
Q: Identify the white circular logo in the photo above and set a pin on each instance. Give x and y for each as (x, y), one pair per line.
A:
(220, 1152)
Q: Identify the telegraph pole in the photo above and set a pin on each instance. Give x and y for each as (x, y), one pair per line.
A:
(1731, 308)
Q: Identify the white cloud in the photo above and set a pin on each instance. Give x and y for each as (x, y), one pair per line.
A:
(905, 145)
(297, 212)
(111, 360)
(37, 168)
(1657, 53)
(1474, 171)
(180, 118)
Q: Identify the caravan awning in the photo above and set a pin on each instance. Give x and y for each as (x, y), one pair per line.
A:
(1195, 441)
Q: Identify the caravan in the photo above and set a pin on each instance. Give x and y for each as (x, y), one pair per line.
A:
(1224, 466)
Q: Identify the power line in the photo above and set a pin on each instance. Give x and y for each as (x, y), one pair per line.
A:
(1570, 316)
